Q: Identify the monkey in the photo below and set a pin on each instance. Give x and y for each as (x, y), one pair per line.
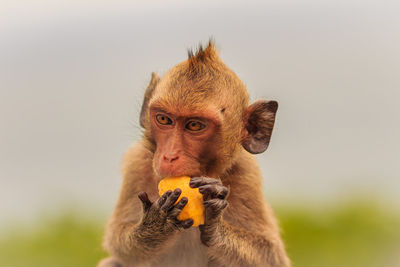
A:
(197, 121)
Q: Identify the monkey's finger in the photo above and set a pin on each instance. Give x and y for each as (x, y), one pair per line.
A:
(187, 223)
(214, 206)
(208, 191)
(178, 207)
(145, 200)
(215, 203)
(213, 191)
(171, 199)
(182, 203)
(163, 198)
(199, 181)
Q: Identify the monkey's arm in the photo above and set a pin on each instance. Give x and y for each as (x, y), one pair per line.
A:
(143, 240)
(128, 239)
(139, 230)
(245, 234)
(236, 246)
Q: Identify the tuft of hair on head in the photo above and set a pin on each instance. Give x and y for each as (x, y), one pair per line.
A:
(202, 55)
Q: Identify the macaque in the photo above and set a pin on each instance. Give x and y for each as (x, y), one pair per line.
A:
(197, 121)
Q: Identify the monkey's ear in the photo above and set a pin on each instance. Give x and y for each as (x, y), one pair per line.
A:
(147, 96)
(259, 122)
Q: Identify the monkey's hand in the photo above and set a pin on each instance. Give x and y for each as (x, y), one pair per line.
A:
(214, 200)
(159, 217)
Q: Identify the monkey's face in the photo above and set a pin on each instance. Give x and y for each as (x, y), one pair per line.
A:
(197, 118)
(186, 142)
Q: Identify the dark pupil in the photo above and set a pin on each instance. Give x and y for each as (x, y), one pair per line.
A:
(193, 124)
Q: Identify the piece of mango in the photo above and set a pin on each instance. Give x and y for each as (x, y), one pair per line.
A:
(194, 208)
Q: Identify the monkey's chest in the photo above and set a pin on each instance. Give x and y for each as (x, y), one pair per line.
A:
(186, 250)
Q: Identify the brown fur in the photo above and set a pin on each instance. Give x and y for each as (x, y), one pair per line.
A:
(245, 232)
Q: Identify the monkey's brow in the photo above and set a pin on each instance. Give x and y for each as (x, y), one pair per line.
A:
(159, 109)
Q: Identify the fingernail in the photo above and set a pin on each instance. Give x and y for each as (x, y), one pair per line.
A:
(177, 191)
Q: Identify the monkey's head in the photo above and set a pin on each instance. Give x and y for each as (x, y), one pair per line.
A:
(197, 118)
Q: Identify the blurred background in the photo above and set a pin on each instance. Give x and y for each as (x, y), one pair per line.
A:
(72, 77)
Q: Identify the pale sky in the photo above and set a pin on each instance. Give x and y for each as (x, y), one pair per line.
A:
(72, 76)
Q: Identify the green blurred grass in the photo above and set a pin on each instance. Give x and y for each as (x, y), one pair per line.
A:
(71, 239)
(353, 234)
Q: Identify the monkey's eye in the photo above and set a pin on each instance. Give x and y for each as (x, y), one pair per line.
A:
(164, 120)
(194, 126)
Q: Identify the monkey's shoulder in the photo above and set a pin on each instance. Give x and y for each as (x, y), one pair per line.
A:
(245, 194)
(244, 173)
(137, 168)
(136, 155)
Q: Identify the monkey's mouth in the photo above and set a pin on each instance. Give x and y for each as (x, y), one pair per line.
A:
(178, 173)
(183, 167)
(172, 170)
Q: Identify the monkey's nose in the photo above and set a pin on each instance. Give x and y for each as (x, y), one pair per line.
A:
(170, 158)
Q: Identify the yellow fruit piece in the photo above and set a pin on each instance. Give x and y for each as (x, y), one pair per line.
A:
(194, 208)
